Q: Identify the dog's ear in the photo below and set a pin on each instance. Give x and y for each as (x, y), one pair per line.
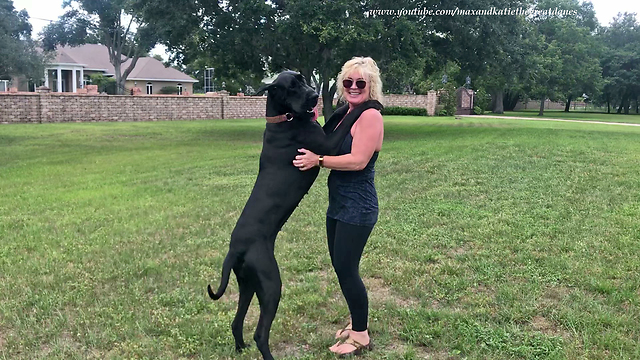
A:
(263, 88)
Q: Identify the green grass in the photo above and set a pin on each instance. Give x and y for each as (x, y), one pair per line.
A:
(497, 239)
(576, 115)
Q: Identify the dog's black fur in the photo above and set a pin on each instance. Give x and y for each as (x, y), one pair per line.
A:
(278, 190)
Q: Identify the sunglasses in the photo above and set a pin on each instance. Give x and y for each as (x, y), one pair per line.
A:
(360, 84)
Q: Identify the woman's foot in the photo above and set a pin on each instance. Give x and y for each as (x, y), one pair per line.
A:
(356, 343)
(343, 334)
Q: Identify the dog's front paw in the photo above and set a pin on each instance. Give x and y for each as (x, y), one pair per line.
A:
(241, 347)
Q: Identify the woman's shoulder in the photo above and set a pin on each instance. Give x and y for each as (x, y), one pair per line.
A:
(372, 118)
(371, 114)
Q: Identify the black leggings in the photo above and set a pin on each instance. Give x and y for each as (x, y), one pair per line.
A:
(346, 243)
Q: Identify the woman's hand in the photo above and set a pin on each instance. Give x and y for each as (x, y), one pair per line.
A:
(306, 160)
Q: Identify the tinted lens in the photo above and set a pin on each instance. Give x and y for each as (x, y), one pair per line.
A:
(360, 84)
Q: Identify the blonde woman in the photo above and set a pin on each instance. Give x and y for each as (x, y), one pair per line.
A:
(353, 201)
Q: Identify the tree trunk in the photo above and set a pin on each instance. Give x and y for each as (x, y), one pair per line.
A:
(622, 103)
(121, 85)
(313, 82)
(327, 99)
(498, 106)
(567, 105)
(636, 105)
(307, 75)
(608, 106)
(542, 100)
(118, 74)
(627, 106)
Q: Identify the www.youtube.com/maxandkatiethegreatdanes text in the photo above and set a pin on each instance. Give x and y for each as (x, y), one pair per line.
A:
(484, 12)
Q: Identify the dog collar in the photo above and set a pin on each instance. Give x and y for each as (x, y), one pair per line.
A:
(279, 118)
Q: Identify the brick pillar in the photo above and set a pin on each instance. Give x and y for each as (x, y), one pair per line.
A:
(431, 102)
(44, 107)
(224, 102)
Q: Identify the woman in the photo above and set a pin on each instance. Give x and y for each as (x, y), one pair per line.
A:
(353, 203)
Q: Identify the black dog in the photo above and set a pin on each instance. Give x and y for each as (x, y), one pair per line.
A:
(278, 190)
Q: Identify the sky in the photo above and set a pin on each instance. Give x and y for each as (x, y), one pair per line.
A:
(42, 10)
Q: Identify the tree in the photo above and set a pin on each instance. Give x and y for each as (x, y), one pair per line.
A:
(317, 40)
(621, 62)
(117, 24)
(578, 51)
(230, 37)
(491, 49)
(18, 54)
(243, 40)
(545, 73)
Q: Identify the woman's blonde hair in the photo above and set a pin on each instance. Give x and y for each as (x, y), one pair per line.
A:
(368, 69)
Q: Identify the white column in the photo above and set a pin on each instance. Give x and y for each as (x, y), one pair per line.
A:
(46, 77)
(74, 80)
(81, 78)
(59, 80)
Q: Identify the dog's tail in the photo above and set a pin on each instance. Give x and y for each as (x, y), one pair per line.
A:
(228, 264)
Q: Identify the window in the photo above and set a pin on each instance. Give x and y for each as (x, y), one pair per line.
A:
(4, 85)
(179, 89)
(149, 88)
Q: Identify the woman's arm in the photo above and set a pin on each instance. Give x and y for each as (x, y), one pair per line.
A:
(366, 140)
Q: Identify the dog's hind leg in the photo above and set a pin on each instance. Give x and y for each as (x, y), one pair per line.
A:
(268, 292)
(246, 294)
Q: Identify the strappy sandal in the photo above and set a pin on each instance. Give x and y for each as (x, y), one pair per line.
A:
(343, 333)
(359, 348)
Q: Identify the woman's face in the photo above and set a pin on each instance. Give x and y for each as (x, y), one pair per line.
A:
(353, 93)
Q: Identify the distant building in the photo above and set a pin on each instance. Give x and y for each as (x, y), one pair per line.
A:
(72, 67)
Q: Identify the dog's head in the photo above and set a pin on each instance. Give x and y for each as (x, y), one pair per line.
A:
(289, 93)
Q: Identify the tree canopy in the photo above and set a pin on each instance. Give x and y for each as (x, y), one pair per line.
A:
(18, 53)
(117, 24)
(538, 55)
(620, 62)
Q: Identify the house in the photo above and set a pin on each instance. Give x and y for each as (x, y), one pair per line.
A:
(72, 67)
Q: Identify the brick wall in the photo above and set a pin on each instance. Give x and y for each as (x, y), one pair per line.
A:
(53, 107)
(243, 107)
(428, 101)
(535, 105)
(67, 107)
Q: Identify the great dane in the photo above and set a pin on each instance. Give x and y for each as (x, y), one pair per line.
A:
(278, 190)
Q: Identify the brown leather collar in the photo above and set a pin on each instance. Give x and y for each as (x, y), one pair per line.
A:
(279, 118)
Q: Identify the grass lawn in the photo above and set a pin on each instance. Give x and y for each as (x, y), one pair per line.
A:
(497, 239)
(576, 115)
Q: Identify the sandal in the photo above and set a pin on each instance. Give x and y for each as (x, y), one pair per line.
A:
(359, 348)
(343, 333)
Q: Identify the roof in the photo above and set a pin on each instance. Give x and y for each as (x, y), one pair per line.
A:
(149, 68)
(96, 57)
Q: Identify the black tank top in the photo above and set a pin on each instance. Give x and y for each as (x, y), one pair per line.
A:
(352, 194)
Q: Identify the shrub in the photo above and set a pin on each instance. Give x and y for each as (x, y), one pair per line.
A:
(105, 84)
(442, 112)
(481, 100)
(448, 100)
(169, 90)
(477, 110)
(399, 110)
